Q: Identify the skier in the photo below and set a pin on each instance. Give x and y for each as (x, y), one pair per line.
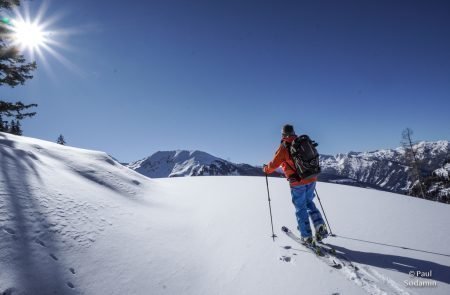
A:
(302, 190)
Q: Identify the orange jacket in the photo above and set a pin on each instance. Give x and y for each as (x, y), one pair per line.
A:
(283, 159)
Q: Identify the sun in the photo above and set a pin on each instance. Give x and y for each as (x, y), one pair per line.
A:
(28, 35)
(37, 35)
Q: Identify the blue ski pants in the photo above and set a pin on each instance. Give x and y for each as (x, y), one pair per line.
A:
(302, 197)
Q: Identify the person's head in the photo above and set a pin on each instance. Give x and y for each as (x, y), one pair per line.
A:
(287, 130)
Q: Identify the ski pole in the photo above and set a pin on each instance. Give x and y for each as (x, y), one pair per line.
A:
(270, 208)
(331, 232)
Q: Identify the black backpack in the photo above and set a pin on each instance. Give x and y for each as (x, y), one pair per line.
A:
(305, 156)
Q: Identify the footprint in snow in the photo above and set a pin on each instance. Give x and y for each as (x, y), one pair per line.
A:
(72, 270)
(70, 285)
(285, 258)
(40, 242)
(9, 231)
(53, 256)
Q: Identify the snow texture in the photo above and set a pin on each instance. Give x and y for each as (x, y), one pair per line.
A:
(74, 221)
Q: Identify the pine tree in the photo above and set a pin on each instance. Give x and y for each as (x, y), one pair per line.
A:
(61, 140)
(16, 109)
(12, 128)
(14, 69)
(2, 125)
(18, 128)
(9, 4)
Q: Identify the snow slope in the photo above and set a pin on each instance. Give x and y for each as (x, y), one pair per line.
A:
(74, 221)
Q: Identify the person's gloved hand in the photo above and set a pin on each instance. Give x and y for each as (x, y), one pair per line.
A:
(265, 168)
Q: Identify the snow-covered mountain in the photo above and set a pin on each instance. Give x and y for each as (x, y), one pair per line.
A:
(437, 185)
(189, 163)
(382, 169)
(443, 172)
(75, 221)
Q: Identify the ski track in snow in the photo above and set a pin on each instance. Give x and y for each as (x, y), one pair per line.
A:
(386, 280)
(371, 281)
(62, 230)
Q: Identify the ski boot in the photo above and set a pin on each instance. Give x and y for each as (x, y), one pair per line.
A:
(321, 232)
(309, 241)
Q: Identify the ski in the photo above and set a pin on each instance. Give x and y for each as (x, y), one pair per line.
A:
(327, 247)
(332, 251)
(317, 250)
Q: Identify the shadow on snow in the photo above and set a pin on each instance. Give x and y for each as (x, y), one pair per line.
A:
(399, 263)
(24, 223)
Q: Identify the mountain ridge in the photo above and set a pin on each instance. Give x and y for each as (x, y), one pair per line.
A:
(178, 163)
(386, 168)
(383, 169)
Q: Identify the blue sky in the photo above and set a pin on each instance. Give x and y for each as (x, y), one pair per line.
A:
(224, 76)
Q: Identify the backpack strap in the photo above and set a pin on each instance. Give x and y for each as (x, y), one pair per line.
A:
(293, 177)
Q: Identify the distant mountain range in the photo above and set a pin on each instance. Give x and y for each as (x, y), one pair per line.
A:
(190, 163)
(381, 169)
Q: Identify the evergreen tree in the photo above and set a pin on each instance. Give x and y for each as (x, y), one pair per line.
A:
(16, 109)
(12, 128)
(18, 128)
(61, 140)
(9, 4)
(14, 69)
(2, 124)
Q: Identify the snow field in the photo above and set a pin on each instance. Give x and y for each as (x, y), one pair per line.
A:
(74, 221)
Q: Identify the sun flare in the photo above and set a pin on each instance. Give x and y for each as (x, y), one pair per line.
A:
(37, 35)
(29, 35)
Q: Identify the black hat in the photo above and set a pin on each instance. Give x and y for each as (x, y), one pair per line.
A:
(288, 130)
